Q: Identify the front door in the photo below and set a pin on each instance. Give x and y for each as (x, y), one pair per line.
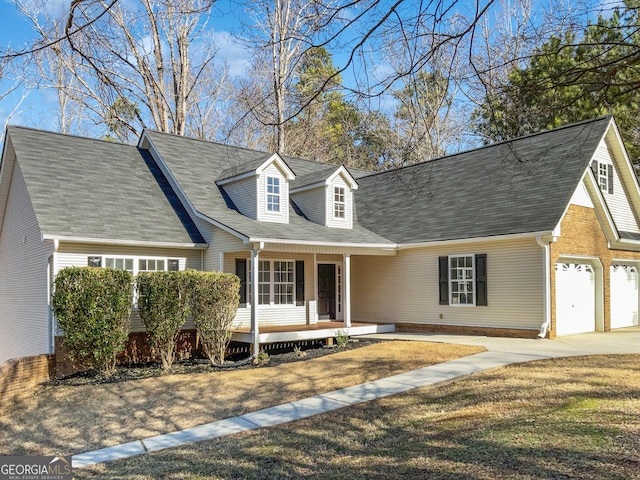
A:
(327, 291)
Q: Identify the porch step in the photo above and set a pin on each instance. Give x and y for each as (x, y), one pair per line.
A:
(312, 332)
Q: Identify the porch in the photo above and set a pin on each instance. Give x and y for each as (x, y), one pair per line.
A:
(320, 330)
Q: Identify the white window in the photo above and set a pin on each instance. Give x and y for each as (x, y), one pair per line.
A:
(135, 265)
(338, 202)
(279, 288)
(273, 194)
(150, 265)
(119, 264)
(283, 283)
(461, 280)
(264, 282)
(603, 177)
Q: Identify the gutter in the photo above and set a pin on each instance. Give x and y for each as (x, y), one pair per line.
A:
(511, 236)
(130, 243)
(546, 300)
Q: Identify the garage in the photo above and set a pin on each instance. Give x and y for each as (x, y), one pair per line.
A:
(575, 298)
(624, 296)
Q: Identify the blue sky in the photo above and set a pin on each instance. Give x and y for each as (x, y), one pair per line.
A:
(34, 110)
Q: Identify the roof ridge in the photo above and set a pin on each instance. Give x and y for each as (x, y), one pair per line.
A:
(497, 144)
(70, 135)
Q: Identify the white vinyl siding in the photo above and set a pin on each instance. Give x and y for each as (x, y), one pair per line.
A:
(405, 288)
(331, 219)
(220, 242)
(312, 203)
(264, 215)
(24, 310)
(618, 201)
(243, 194)
(277, 314)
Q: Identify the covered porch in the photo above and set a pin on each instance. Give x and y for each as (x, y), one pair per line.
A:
(317, 331)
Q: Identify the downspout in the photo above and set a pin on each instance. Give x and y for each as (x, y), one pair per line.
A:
(51, 272)
(546, 300)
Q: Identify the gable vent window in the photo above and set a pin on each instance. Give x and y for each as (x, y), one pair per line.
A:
(273, 194)
(338, 202)
(604, 175)
(463, 280)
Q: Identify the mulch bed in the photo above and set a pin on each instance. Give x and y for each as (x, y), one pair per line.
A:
(279, 356)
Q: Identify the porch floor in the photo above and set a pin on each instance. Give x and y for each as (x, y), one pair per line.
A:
(289, 333)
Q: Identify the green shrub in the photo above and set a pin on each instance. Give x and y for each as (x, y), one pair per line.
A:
(214, 302)
(342, 338)
(93, 307)
(163, 303)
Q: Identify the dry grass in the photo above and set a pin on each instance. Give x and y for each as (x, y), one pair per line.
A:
(554, 419)
(65, 420)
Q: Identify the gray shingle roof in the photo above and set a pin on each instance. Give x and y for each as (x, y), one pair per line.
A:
(80, 187)
(314, 177)
(514, 187)
(196, 165)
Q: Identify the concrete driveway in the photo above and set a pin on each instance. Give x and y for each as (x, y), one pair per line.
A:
(624, 340)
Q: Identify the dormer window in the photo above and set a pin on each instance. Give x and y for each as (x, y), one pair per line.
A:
(338, 202)
(604, 175)
(273, 194)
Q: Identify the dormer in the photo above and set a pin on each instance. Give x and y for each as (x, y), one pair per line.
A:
(326, 196)
(260, 188)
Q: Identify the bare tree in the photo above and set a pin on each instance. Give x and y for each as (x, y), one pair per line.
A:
(280, 32)
(130, 67)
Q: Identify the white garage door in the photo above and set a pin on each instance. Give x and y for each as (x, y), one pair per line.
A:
(575, 298)
(624, 296)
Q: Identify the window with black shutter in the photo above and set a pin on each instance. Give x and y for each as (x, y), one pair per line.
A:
(481, 279)
(241, 272)
(94, 261)
(299, 282)
(444, 280)
(463, 280)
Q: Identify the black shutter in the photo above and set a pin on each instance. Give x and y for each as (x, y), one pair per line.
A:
(610, 178)
(299, 282)
(594, 168)
(241, 272)
(444, 280)
(481, 279)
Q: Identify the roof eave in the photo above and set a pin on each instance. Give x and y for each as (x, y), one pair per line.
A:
(127, 243)
(462, 241)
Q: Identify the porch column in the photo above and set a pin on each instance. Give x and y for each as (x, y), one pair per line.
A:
(347, 290)
(255, 345)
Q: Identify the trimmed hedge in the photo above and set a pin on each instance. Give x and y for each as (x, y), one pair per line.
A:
(93, 307)
(163, 303)
(214, 303)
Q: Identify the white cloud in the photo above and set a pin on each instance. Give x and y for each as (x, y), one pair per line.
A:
(232, 52)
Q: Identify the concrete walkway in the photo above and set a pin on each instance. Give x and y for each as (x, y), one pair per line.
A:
(500, 352)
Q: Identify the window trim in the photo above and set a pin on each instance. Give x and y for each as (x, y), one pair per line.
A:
(136, 261)
(480, 291)
(603, 172)
(272, 283)
(472, 280)
(339, 213)
(273, 194)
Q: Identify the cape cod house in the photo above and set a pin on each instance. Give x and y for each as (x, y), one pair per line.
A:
(536, 236)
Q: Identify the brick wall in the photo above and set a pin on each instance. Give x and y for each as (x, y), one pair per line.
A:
(137, 351)
(464, 330)
(19, 376)
(582, 235)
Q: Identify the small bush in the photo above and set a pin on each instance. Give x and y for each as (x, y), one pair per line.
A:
(93, 307)
(214, 303)
(342, 338)
(262, 358)
(163, 302)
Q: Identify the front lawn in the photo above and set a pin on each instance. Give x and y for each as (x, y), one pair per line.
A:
(565, 418)
(67, 419)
